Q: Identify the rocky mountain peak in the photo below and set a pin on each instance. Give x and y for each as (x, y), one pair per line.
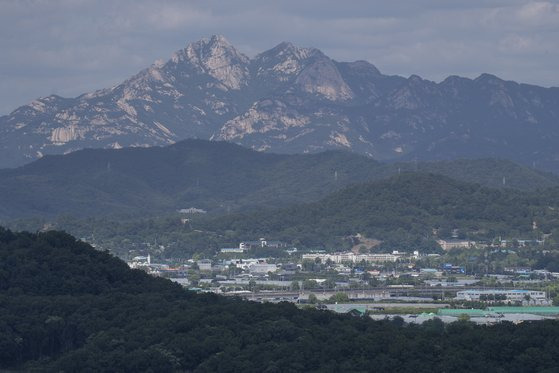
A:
(218, 58)
(292, 99)
(283, 62)
(363, 68)
(415, 79)
(286, 50)
(488, 79)
(323, 78)
(454, 80)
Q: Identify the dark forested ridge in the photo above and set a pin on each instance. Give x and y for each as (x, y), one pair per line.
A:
(407, 212)
(403, 210)
(65, 307)
(214, 176)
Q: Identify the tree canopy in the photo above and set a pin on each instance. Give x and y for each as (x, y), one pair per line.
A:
(66, 307)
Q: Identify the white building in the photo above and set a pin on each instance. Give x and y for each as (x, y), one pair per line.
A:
(454, 244)
(204, 265)
(352, 257)
(192, 210)
(243, 263)
(262, 242)
(522, 296)
(262, 268)
(231, 250)
(140, 261)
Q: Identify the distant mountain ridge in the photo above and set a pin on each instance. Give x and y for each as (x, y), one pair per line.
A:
(293, 100)
(215, 176)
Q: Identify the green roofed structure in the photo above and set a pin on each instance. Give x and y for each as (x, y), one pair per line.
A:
(549, 311)
(492, 311)
(357, 311)
(457, 312)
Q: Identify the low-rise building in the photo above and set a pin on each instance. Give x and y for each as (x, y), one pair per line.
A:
(247, 245)
(353, 258)
(509, 296)
(192, 210)
(454, 244)
(244, 263)
(262, 268)
(232, 250)
(450, 268)
(521, 242)
(204, 265)
(518, 270)
(430, 272)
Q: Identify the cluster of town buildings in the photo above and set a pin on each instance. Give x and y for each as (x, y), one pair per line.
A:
(234, 272)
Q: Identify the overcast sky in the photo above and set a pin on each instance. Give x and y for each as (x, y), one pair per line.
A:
(68, 47)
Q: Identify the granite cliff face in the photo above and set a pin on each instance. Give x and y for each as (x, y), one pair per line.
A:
(289, 100)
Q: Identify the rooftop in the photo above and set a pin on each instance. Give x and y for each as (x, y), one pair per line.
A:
(532, 310)
(499, 310)
(458, 312)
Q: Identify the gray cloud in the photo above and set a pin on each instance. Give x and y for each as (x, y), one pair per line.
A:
(69, 47)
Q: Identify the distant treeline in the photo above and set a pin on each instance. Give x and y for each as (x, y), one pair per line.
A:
(407, 212)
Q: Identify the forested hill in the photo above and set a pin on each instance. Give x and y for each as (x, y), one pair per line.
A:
(489, 172)
(407, 212)
(65, 307)
(402, 210)
(214, 176)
